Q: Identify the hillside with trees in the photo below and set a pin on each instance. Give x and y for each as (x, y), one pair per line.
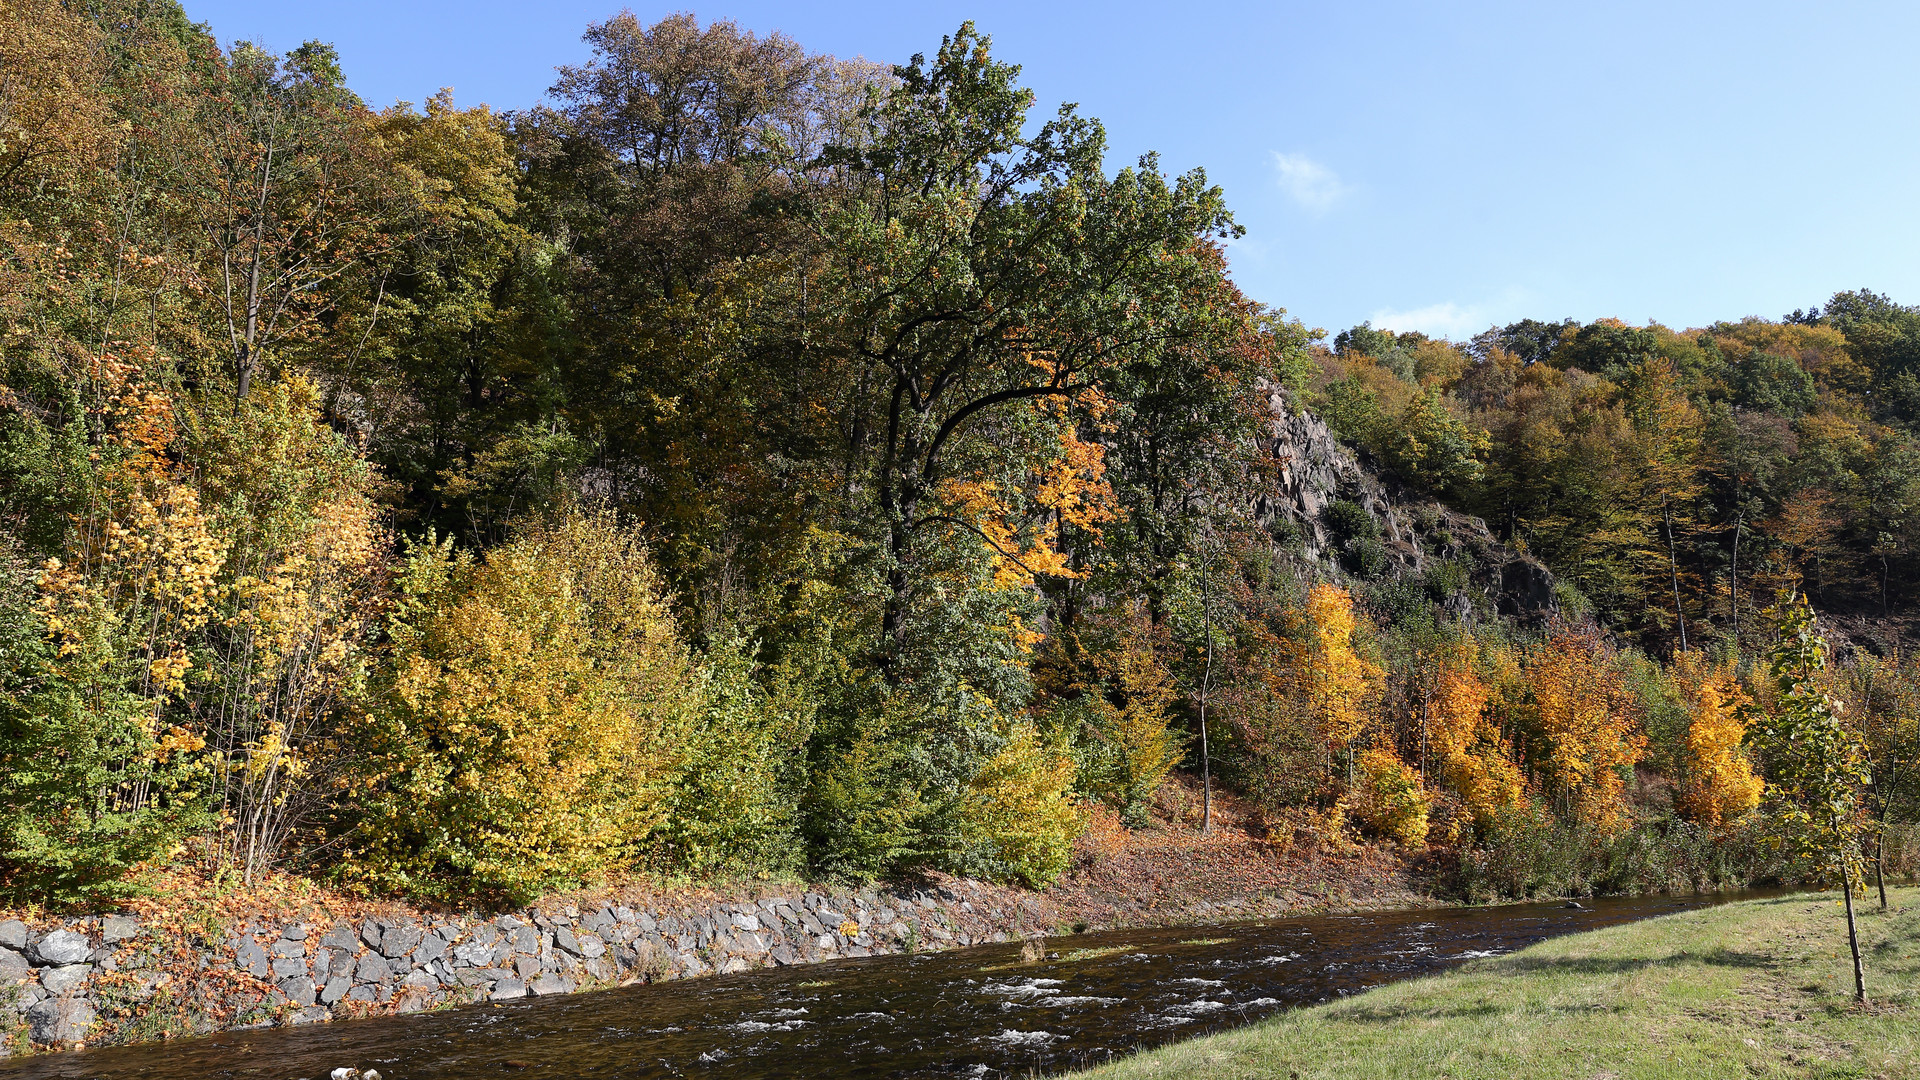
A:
(757, 462)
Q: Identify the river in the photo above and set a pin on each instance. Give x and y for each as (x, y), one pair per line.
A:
(979, 1012)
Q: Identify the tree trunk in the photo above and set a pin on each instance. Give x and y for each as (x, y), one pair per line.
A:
(1880, 864)
(1853, 935)
(1673, 563)
(1733, 584)
(1206, 681)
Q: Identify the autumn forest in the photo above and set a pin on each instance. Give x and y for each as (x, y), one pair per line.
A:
(757, 462)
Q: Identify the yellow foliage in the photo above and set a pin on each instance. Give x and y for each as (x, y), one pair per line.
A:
(1585, 712)
(1146, 747)
(1335, 681)
(1471, 755)
(143, 563)
(1720, 784)
(1019, 810)
(539, 704)
(1020, 528)
(1389, 799)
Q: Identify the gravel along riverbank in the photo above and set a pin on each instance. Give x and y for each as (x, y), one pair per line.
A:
(1758, 988)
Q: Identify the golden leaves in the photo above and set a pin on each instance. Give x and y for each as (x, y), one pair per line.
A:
(1719, 783)
(1335, 680)
(1586, 713)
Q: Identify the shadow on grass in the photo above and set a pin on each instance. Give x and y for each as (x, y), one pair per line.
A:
(1387, 1014)
(1601, 965)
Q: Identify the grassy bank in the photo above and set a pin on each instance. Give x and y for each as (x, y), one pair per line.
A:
(1760, 988)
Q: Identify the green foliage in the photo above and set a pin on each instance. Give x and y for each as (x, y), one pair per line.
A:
(863, 808)
(1526, 853)
(75, 752)
(1816, 765)
(739, 786)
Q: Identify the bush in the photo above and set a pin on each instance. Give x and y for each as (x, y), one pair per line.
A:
(1526, 852)
(1018, 817)
(736, 805)
(532, 718)
(1388, 798)
(74, 751)
(864, 807)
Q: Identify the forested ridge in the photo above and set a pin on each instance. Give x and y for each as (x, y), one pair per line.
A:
(757, 462)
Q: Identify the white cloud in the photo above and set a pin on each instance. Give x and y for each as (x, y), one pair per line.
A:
(1307, 182)
(1447, 320)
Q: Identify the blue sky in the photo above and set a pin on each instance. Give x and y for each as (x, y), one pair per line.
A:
(1441, 167)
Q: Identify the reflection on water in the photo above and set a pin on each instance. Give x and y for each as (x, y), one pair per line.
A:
(977, 1012)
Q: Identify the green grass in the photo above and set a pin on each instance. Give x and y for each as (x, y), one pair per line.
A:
(1761, 988)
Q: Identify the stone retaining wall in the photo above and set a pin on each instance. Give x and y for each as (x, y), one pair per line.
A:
(96, 979)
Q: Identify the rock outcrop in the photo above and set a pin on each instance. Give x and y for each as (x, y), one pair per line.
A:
(1325, 503)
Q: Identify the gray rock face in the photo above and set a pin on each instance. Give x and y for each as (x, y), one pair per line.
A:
(335, 989)
(550, 983)
(508, 990)
(252, 959)
(13, 967)
(472, 954)
(286, 947)
(298, 989)
(13, 934)
(60, 1020)
(432, 948)
(288, 966)
(340, 937)
(370, 969)
(61, 947)
(62, 980)
(116, 928)
(398, 941)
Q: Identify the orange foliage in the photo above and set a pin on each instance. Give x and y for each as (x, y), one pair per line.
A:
(1720, 784)
(1585, 711)
(1473, 758)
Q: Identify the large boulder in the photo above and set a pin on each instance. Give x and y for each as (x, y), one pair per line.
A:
(61, 947)
(60, 1020)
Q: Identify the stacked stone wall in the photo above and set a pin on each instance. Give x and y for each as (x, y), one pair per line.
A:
(110, 979)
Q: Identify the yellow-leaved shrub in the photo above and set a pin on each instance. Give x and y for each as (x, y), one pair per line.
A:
(1019, 814)
(533, 716)
(1388, 798)
(1587, 716)
(1719, 785)
(1470, 754)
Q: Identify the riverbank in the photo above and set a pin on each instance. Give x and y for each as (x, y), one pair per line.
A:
(1758, 988)
(193, 957)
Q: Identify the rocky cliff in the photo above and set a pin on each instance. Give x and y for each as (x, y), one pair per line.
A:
(1330, 508)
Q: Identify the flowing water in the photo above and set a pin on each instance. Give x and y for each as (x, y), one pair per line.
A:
(978, 1012)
